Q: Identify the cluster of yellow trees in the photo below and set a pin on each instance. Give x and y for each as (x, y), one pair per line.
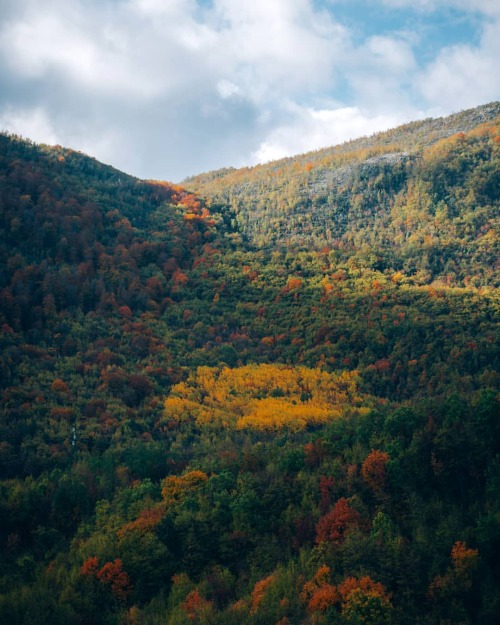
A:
(264, 397)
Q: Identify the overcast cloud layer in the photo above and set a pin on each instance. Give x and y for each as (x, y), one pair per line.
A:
(167, 88)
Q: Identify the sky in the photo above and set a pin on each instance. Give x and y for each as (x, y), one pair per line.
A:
(164, 89)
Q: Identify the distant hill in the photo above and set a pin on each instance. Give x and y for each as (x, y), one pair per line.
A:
(426, 193)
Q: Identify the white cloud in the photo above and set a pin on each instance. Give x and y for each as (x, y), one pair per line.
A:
(227, 89)
(165, 88)
(148, 47)
(32, 124)
(380, 74)
(37, 125)
(113, 49)
(96, 57)
(152, 63)
(312, 129)
(488, 7)
(278, 47)
(461, 76)
(465, 74)
(389, 54)
(160, 7)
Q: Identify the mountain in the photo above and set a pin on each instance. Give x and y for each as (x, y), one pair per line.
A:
(421, 198)
(269, 396)
(81, 235)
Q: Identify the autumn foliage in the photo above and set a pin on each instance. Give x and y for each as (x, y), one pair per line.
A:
(58, 386)
(318, 594)
(259, 591)
(323, 598)
(147, 520)
(111, 575)
(463, 558)
(459, 575)
(90, 566)
(336, 524)
(373, 470)
(264, 397)
(365, 584)
(365, 601)
(175, 488)
(243, 432)
(357, 600)
(195, 605)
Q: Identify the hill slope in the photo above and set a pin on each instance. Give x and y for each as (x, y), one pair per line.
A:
(197, 426)
(81, 233)
(423, 198)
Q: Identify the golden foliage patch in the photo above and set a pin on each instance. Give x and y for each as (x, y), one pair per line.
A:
(264, 397)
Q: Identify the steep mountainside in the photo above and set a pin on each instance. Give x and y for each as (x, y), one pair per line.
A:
(423, 198)
(276, 406)
(76, 233)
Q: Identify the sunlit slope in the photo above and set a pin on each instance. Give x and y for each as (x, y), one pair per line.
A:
(425, 195)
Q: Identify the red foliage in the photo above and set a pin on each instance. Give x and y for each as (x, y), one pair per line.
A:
(90, 566)
(113, 575)
(459, 575)
(373, 470)
(59, 412)
(179, 278)
(318, 593)
(314, 453)
(58, 386)
(292, 284)
(323, 598)
(463, 558)
(147, 520)
(259, 591)
(195, 604)
(125, 311)
(334, 526)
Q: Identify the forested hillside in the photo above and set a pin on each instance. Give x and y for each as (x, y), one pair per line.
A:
(275, 405)
(422, 198)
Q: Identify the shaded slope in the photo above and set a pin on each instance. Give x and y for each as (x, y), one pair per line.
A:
(76, 234)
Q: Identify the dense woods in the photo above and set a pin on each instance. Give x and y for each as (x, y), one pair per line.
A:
(271, 398)
(420, 199)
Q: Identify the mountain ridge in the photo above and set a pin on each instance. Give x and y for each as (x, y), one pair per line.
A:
(463, 121)
(375, 197)
(212, 412)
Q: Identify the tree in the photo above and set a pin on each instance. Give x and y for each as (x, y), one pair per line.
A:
(176, 488)
(373, 470)
(259, 591)
(318, 594)
(110, 575)
(365, 602)
(196, 606)
(113, 575)
(334, 525)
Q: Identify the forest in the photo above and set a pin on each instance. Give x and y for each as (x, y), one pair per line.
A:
(266, 396)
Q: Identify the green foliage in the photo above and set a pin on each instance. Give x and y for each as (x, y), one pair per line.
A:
(380, 284)
(419, 203)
